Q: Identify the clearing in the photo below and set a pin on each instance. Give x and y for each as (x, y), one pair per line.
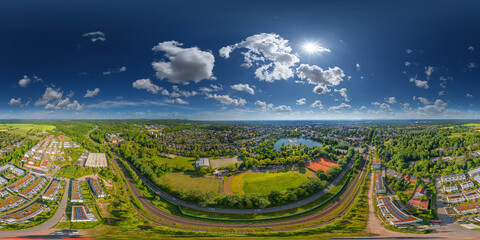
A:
(185, 182)
(178, 161)
(264, 183)
(223, 162)
(24, 128)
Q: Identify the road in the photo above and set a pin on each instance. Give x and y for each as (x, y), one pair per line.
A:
(448, 229)
(43, 228)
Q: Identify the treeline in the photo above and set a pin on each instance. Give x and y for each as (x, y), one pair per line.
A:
(410, 150)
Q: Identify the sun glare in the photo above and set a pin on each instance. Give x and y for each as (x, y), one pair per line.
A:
(310, 47)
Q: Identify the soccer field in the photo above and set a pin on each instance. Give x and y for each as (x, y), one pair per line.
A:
(187, 182)
(264, 183)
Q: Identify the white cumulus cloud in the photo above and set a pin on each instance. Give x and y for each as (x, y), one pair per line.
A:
(322, 78)
(423, 100)
(147, 85)
(49, 95)
(301, 101)
(184, 64)
(227, 100)
(343, 93)
(269, 52)
(24, 81)
(317, 104)
(243, 87)
(339, 107)
(179, 101)
(419, 83)
(15, 102)
(92, 93)
(391, 100)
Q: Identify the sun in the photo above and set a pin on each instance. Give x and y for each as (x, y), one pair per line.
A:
(310, 47)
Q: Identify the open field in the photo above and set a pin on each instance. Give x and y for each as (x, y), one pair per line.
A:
(264, 183)
(223, 162)
(473, 125)
(187, 182)
(178, 162)
(24, 128)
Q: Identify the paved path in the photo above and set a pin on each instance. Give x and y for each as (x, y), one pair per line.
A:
(43, 228)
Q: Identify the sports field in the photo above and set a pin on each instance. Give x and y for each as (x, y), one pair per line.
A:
(186, 162)
(23, 128)
(223, 162)
(264, 183)
(187, 182)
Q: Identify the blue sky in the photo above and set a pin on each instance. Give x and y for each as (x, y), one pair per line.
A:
(244, 60)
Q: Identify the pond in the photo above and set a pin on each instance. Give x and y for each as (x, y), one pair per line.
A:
(296, 141)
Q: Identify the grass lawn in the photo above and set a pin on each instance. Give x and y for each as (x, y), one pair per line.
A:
(23, 128)
(179, 162)
(264, 183)
(223, 162)
(187, 182)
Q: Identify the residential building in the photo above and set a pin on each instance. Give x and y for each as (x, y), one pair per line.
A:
(25, 214)
(474, 172)
(467, 185)
(33, 189)
(96, 188)
(395, 174)
(477, 179)
(81, 213)
(450, 188)
(467, 209)
(453, 178)
(379, 184)
(76, 194)
(455, 199)
(52, 191)
(377, 164)
(394, 215)
(471, 196)
(3, 181)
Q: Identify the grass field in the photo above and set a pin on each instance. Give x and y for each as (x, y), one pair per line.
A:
(474, 125)
(264, 183)
(23, 128)
(223, 162)
(179, 162)
(186, 182)
(337, 188)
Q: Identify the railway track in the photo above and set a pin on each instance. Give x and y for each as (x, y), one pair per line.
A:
(170, 220)
(163, 218)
